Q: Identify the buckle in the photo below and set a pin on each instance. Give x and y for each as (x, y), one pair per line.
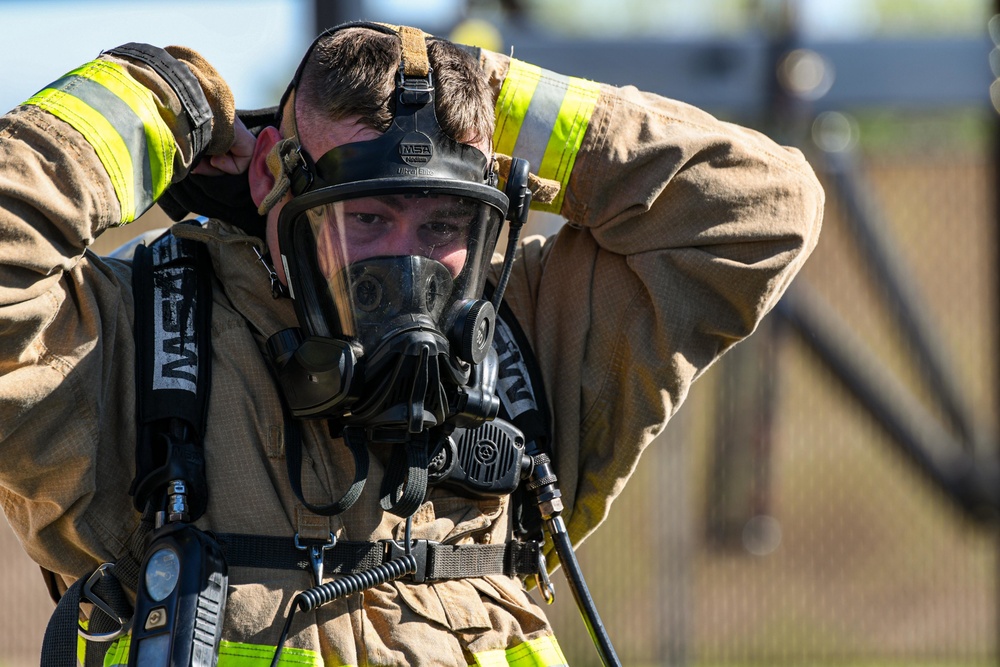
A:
(418, 549)
(90, 596)
(415, 90)
(316, 553)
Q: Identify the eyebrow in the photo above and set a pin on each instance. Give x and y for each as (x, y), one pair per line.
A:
(395, 202)
(448, 209)
(453, 212)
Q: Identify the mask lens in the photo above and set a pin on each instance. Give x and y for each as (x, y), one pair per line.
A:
(385, 263)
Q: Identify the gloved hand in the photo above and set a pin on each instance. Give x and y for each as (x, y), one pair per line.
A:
(225, 194)
(235, 160)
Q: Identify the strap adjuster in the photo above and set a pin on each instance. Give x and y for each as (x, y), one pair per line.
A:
(415, 90)
(418, 549)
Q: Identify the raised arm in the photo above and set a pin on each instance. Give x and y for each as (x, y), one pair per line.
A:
(683, 233)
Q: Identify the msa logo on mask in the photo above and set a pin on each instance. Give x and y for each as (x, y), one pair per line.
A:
(416, 148)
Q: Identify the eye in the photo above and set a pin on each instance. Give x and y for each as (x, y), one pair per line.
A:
(442, 232)
(367, 218)
(363, 226)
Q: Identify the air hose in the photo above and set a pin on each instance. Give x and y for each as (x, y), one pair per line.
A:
(542, 483)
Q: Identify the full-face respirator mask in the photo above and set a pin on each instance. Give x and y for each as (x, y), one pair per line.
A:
(386, 245)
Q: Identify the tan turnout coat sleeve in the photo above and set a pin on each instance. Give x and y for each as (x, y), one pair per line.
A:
(683, 232)
(66, 372)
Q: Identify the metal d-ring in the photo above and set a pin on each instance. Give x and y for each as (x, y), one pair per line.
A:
(90, 596)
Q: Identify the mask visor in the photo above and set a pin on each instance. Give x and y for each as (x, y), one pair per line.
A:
(368, 268)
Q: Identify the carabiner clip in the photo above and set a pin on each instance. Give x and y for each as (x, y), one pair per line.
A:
(543, 582)
(316, 554)
(91, 597)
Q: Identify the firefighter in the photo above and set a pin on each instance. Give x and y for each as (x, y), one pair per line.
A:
(352, 323)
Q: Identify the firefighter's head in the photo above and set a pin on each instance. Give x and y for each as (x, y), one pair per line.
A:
(381, 199)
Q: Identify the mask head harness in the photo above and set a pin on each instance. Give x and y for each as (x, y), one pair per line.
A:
(385, 245)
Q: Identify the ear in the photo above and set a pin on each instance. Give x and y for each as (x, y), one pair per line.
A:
(260, 177)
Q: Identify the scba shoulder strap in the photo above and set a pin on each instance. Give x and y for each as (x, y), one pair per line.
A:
(172, 336)
(521, 389)
(173, 311)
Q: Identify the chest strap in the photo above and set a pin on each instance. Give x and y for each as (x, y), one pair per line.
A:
(435, 561)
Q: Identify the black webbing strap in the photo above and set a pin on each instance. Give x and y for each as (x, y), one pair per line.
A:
(355, 442)
(173, 315)
(444, 561)
(183, 83)
(404, 485)
(522, 402)
(514, 559)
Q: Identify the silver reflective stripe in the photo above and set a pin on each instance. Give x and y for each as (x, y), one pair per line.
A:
(175, 358)
(537, 125)
(175, 355)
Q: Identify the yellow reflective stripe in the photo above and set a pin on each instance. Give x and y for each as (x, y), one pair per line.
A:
(120, 120)
(81, 643)
(236, 654)
(117, 655)
(541, 652)
(231, 654)
(160, 146)
(567, 135)
(100, 134)
(512, 105)
(542, 117)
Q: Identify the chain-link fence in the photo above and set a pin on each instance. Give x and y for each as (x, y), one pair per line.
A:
(780, 520)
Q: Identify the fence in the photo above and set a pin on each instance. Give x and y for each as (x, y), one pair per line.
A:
(780, 520)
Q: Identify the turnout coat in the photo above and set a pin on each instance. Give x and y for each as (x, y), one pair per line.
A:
(683, 231)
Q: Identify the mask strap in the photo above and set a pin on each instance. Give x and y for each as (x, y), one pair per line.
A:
(415, 61)
(285, 157)
(282, 159)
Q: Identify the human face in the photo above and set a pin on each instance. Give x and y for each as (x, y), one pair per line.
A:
(393, 224)
(433, 226)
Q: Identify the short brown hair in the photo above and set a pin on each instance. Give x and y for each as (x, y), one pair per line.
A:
(352, 73)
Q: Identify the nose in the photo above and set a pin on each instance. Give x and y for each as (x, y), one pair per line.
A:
(401, 240)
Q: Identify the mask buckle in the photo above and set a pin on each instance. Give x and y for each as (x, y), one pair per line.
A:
(415, 90)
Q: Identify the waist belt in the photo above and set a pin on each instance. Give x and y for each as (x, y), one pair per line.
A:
(434, 560)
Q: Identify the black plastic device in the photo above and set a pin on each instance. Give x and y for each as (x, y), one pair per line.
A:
(180, 601)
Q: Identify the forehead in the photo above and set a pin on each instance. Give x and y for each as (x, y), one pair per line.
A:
(414, 203)
(319, 135)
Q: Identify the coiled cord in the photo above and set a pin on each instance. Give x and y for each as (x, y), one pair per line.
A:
(317, 596)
